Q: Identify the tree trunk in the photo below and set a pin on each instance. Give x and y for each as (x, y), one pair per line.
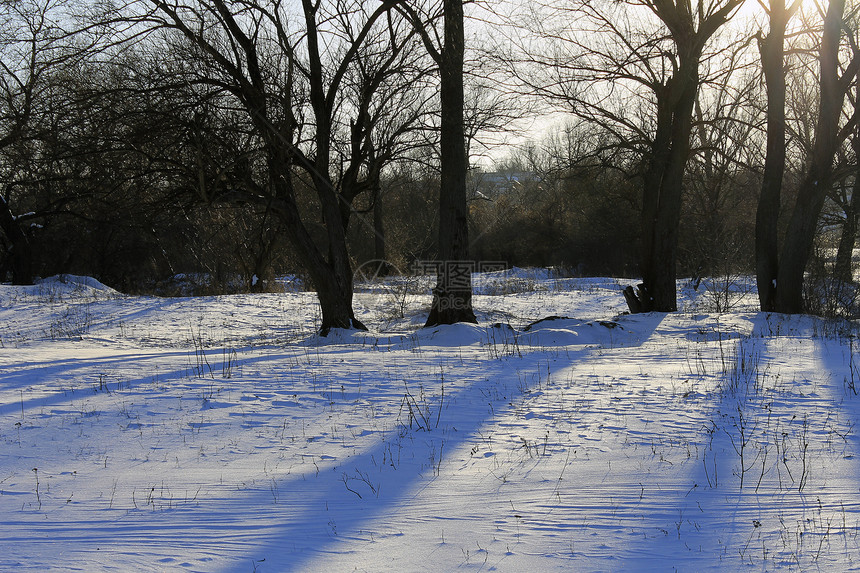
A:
(452, 296)
(333, 287)
(767, 214)
(662, 189)
(843, 270)
(332, 280)
(335, 296)
(803, 225)
(798, 244)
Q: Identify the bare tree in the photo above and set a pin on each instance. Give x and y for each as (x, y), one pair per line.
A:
(772, 48)
(452, 295)
(31, 47)
(849, 200)
(842, 207)
(392, 91)
(783, 286)
(42, 43)
(635, 69)
(287, 68)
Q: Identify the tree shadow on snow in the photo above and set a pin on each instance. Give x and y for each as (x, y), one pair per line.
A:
(316, 508)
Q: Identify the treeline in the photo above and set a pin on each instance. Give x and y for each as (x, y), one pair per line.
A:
(239, 140)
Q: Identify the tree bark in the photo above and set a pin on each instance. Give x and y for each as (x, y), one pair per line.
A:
(803, 225)
(331, 281)
(663, 185)
(772, 50)
(690, 28)
(843, 271)
(452, 296)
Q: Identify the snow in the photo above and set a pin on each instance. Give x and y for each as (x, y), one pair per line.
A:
(222, 434)
(74, 283)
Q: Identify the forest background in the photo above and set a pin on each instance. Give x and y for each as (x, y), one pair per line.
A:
(183, 147)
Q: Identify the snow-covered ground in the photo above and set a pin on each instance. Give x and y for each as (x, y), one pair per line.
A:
(220, 434)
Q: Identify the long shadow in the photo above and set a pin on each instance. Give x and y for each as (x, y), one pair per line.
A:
(841, 357)
(301, 512)
(34, 373)
(31, 373)
(338, 504)
(755, 498)
(677, 528)
(304, 510)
